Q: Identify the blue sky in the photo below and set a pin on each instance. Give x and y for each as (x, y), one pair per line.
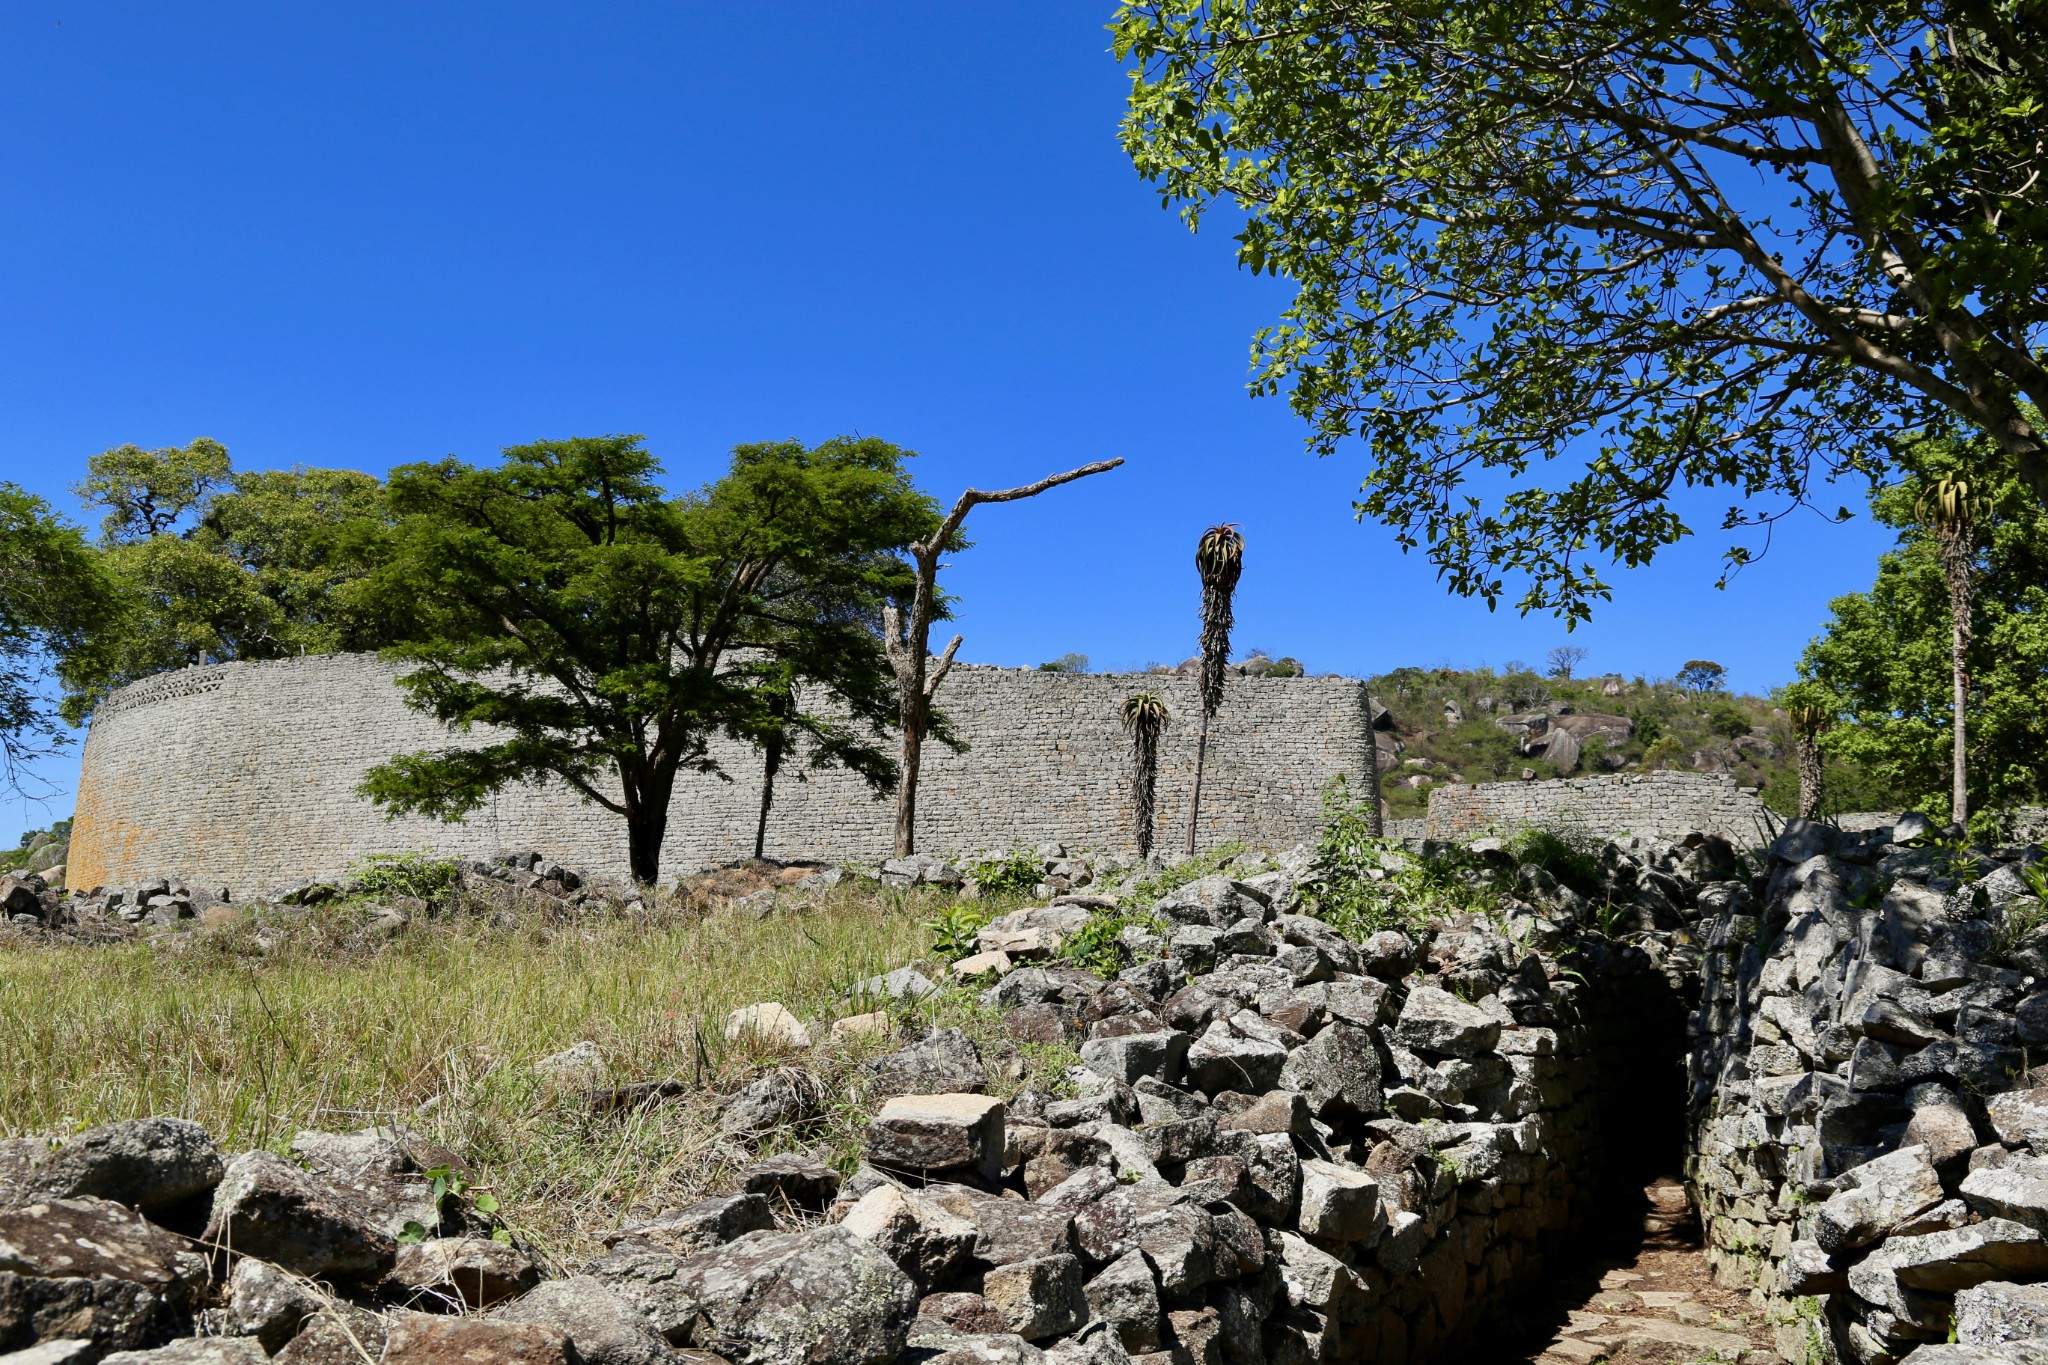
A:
(360, 235)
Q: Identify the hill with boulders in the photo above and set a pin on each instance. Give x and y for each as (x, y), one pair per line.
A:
(1477, 725)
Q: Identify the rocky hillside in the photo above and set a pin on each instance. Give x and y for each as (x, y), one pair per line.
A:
(1478, 725)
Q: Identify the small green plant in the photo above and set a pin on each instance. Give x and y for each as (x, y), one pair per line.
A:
(418, 876)
(1012, 874)
(955, 930)
(2021, 918)
(446, 1184)
(1570, 855)
(1097, 946)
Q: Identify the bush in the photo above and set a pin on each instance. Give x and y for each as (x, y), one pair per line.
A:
(1011, 874)
(1726, 718)
(417, 876)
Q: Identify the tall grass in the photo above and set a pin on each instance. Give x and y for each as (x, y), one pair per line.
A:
(438, 1029)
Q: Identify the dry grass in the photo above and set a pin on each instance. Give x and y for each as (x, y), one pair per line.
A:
(438, 1029)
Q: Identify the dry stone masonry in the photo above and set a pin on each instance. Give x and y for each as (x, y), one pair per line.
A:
(245, 774)
(1658, 805)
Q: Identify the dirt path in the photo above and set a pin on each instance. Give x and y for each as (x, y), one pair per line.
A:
(1647, 1301)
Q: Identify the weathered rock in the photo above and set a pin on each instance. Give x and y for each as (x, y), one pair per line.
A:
(341, 1335)
(1125, 1294)
(1132, 1057)
(1180, 1242)
(604, 1328)
(1339, 1203)
(1436, 1021)
(927, 1242)
(1883, 1193)
(192, 1351)
(266, 1303)
(1007, 1230)
(473, 1271)
(958, 1312)
(824, 1297)
(768, 1025)
(1039, 1298)
(1945, 1262)
(1314, 1279)
(2016, 1189)
(1228, 1056)
(701, 1226)
(95, 1270)
(1337, 1072)
(1998, 1312)
(267, 1207)
(417, 1339)
(1278, 1111)
(2021, 1116)
(1215, 901)
(945, 1063)
(779, 1099)
(149, 1164)
(905, 983)
(791, 1180)
(938, 1133)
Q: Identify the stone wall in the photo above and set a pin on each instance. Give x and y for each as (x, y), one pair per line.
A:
(1660, 805)
(244, 774)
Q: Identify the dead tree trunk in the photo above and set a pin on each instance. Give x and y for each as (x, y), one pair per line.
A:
(918, 675)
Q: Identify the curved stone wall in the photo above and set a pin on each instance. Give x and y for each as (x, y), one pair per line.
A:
(244, 774)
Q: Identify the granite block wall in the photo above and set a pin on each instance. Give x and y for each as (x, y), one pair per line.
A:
(1661, 805)
(244, 775)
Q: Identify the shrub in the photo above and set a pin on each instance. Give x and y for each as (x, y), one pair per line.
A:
(955, 931)
(1726, 718)
(1009, 875)
(414, 875)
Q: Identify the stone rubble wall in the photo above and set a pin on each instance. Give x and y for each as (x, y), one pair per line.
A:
(244, 774)
(1869, 1145)
(1658, 805)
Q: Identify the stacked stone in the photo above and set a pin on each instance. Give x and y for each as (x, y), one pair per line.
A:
(1868, 1140)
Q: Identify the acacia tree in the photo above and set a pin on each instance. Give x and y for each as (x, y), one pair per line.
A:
(201, 563)
(1950, 507)
(1145, 717)
(52, 594)
(604, 631)
(1219, 560)
(1554, 261)
(908, 638)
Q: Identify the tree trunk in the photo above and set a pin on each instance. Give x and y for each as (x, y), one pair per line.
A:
(1195, 797)
(1810, 793)
(1955, 564)
(906, 789)
(771, 763)
(644, 831)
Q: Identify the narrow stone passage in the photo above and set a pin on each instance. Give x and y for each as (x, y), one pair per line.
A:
(1641, 1294)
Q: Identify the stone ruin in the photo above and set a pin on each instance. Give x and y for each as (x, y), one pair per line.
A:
(1282, 1146)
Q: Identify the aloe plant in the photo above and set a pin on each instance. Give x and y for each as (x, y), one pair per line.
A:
(1219, 559)
(1145, 716)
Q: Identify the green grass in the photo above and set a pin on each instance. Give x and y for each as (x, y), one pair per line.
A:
(438, 1028)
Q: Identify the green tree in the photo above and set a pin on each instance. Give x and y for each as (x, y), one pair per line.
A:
(203, 564)
(1553, 261)
(605, 632)
(52, 592)
(1887, 657)
(1702, 676)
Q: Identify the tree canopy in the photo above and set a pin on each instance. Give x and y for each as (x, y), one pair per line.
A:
(1884, 659)
(202, 563)
(608, 631)
(52, 594)
(1555, 263)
